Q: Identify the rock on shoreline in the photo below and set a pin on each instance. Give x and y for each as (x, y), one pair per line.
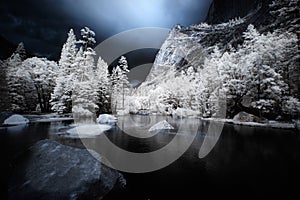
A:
(55, 171)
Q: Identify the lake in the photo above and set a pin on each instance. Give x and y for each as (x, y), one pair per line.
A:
(245, 162)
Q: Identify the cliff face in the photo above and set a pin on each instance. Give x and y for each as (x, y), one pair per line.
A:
(224, 10)
(189, 46)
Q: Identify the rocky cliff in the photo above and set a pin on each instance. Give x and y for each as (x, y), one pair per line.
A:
(188, 46)
(223, 10)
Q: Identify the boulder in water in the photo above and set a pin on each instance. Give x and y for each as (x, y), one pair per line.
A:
(55, 171)
(107, 119)
(162, 125)
(16, 120)
(246, 117)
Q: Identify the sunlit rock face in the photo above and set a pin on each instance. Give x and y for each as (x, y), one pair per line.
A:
(189, 46)
(180, 45)
(226, 22)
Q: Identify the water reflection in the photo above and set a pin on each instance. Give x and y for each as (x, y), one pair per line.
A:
(17, 129)
(251, 160)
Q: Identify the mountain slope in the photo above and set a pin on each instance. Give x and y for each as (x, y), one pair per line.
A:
(188, 46)
(195, 47)
(223, 10)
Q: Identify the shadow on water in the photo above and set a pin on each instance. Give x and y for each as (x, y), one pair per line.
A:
(246, 161)
(15, 140)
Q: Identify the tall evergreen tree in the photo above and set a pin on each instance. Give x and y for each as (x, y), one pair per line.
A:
(61, 100)
(120, 88)
(15, 84)
(88, 38)
(104, 86)
(85, 93)
(4, 101)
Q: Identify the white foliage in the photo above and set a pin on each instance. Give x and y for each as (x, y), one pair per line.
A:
(42, 73)
(254, 73)
(120, 87)
(61, 98)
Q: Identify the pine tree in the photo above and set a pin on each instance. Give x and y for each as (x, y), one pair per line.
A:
(287, 14)
(88, 38)
(21, 51)
(120, 83)
(265, 84)
(116, 87)
(4, 101)
(212, 83)
(254, 75)
(85, 93)
(61, 98)
(15, 84)
(104, 86)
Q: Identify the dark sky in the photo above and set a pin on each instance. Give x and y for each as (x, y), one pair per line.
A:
(43, 24)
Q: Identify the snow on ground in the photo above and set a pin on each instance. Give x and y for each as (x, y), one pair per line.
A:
(122, 112)
(15, 120)
(182, 112)
(162, 125)
(269, 124)
(52, 117)
(87, 130)
(106, 119)
(55, 119)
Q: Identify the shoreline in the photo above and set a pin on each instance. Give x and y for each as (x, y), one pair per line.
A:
(52, 117)
(270, 124)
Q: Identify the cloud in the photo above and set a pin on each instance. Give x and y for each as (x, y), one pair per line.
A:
(46, 22)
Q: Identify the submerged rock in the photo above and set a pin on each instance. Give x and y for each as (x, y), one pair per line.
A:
(87, 130)
(16, 120)
(107, 119)
(246, 117)
(163, 125)
(55, 171)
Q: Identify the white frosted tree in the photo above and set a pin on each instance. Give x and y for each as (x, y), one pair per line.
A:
(15, 84)
(85, 93)
(4, 102)
(232, 71)
(287, 15)
(41, 73)
(265, 84)
(104, 86)
(21, 51)
(253, 76)
(123, 64)
(212, 83)
(291, 106)
(116, 87)
(88, 38)
(120, 87)
(61, 98)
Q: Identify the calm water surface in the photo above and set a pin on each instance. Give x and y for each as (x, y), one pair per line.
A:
(246, 162)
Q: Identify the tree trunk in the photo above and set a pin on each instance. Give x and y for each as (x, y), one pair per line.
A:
(39, 97)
